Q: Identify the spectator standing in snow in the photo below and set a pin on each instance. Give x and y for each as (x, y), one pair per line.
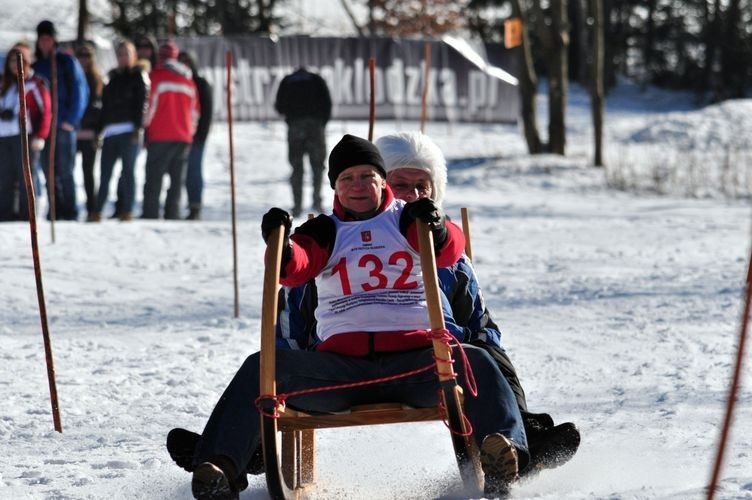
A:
(87, 142)
(39, 116)
(72, 98)
(146, 50)
(377, 335)
(171, 118)
(194, 179)
(303, 99)
(121, 127)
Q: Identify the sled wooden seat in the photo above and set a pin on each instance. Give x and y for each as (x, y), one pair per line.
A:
(384, 413)
(289, 462)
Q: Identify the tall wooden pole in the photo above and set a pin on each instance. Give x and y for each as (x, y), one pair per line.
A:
(228, 63)
(35, 244)
(372, 102)
(734, 389)
(426, 75)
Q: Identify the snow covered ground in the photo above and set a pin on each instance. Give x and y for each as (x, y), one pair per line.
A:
(619, 308)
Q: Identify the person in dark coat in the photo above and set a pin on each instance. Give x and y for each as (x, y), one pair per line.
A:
(86, 138)
(72, 98)
(121, 126)
(303, 99)
(194, 179)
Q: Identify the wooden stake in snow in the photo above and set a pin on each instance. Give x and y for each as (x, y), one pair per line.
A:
(34, 243)
(228, 63)
(426, 75)
(466, 230)
(734, 389)
(372, 104)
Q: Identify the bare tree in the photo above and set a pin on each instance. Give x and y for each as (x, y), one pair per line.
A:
(349, 12)
(528, 83)
(554, 36)
(83, 20)
(596, 69)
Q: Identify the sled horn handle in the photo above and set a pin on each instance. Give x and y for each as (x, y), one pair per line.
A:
(269, 303)
(433, 299)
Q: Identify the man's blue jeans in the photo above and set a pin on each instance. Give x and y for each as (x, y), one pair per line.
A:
(234, 426)
(194, 180)
(118, 146)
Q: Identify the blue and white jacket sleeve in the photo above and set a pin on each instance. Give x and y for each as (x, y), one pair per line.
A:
(460, 285)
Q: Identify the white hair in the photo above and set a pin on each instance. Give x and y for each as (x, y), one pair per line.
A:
(415, 150)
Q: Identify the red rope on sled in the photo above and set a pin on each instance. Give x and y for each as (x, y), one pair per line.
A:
(441, 335)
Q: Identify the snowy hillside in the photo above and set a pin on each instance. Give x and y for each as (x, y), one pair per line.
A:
(620, 311)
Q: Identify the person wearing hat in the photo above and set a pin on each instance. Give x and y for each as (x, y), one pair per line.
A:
(171, 117)
(366, 251)
(72, 99)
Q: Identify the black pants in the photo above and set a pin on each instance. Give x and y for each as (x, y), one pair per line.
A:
(164, 158)
(306, 136)
(88, 149)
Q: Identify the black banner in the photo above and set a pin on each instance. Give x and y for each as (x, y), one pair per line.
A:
(459, 90)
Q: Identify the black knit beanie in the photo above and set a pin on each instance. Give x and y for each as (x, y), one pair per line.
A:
(352, 151)
(46, 28)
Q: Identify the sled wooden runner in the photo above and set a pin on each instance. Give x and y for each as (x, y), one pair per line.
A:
(289, 462)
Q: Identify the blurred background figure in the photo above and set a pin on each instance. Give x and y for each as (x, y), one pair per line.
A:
(146, 50)
(13, 199)
(72, 98)
(86, 137)
(303, 99)
(121, 127)
(194, 179)
(171, 119)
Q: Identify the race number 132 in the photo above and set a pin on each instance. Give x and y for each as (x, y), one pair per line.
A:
(402, 261)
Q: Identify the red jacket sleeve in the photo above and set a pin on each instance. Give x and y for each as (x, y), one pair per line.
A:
(307, 261)
(452, 250)
(40, 109)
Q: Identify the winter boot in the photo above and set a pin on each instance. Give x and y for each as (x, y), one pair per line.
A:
(214, 482)
(93, 217)
(499, 460)
(552, 447)
(125, 216)
(194, 212)
(538, 421)
(181, 444)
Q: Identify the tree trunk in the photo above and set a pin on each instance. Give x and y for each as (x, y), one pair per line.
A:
(649, 47)
(558, 77)
(596, 91)
(83, 20)
(528, 84)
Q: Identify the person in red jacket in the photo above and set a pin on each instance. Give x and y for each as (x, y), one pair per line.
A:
(39, 117)
(171, 118)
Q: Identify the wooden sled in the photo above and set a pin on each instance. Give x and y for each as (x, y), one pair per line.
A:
(289, 462)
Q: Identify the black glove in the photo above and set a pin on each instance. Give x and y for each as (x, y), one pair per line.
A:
(426, 210)
(272, 220)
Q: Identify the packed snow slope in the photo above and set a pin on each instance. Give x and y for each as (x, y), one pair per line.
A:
(620, 310)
